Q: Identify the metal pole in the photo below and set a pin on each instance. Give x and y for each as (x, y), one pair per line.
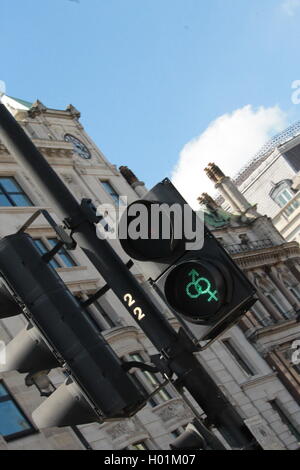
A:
(181, 361)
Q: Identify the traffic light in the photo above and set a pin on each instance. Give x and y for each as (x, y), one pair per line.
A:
(60, 333)
(198, 280)
(196, 436)
(65, 327)
(189, 439)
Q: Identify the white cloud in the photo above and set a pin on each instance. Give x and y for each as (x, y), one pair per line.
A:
(229, 141)
(290, 7)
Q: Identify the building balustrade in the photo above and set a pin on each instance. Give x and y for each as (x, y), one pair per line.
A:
(248, 246)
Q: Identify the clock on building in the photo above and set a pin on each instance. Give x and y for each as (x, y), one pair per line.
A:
(79, 147)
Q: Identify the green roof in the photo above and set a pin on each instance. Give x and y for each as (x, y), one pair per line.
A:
(23, 102)
(216, 219)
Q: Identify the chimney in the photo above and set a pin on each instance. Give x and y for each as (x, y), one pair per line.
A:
(229, 190)
(214, 173)
(206, 200)
(129, 176)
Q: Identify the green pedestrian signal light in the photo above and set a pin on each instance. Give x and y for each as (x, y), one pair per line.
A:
(197, 285)
(197, 289)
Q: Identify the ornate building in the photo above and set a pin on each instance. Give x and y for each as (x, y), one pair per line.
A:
(271, 181)
(273, 266)
(247, 362)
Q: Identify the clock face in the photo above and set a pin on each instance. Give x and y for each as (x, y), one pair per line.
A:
(78, 146)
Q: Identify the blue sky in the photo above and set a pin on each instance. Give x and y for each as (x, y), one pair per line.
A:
(163, 85)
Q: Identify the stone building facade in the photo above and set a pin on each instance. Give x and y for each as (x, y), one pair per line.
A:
(271, 181)
(250, 362)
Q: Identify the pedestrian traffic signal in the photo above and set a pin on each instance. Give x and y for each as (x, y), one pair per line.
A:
(195, 288)
(97, 387)
(198, 280)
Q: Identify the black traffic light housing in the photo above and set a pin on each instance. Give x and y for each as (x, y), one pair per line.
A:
(203, 286)
(60, 333)
(197, 437)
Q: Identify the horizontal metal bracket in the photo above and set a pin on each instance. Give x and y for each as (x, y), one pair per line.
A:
(62, 235)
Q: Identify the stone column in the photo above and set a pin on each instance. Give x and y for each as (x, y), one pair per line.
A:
(269, 306)
(227, 197)
(273, 273)
(261, 313)
(251, 317)
(245, 324)
(256, 279)
(291, 266)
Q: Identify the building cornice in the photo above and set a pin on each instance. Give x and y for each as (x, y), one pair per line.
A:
(55, 149)
(267, 256)
(258, 381)
(53, 113)
(23, 210)
(286, 327)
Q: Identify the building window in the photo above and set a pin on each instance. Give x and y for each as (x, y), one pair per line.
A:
(138, 446)
(44, 249)
(285, 419)
(61, 260)
(149, 382)
(282, 194)
(111, 322)
(103, 319)
(237, 356)
(11, 194)
(284, 197)
(13, 423)
(111, 192)
(63, 254)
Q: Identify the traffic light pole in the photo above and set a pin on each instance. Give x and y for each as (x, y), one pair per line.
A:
(176, 354)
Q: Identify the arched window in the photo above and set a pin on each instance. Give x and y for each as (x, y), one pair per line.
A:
(282, 193)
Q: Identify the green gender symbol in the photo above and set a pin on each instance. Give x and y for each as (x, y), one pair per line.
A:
(200, 286)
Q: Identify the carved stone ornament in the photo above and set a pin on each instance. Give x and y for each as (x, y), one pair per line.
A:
(173, 410)
(73, 111)
(76, 188)
(263, 433)
(36, 109)
(67, 178)
(124, 430)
